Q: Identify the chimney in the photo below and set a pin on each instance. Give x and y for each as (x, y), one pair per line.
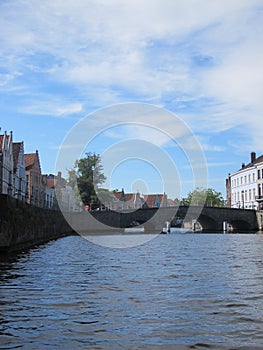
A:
(252, 157)
(243, 165)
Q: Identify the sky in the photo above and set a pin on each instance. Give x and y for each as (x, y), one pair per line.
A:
(123, 70)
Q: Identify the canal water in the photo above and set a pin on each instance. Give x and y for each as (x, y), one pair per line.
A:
(177, 291)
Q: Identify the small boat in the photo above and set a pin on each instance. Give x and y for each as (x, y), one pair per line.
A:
(135, 229)
(185, 230)
(181, 230)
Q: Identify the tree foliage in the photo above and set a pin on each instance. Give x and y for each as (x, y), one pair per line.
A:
(86, 178)
(206, 197)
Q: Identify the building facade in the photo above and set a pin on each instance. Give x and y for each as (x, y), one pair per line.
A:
(244, 188)
(21, 178)
(19, 171)
(35, 184)
(6, 163)
(56, 189)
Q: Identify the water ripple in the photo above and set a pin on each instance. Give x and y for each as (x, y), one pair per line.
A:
(175, 292)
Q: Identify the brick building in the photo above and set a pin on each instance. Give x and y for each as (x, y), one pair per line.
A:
(35, 184)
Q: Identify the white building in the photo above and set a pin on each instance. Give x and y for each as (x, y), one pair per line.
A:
(245, 186)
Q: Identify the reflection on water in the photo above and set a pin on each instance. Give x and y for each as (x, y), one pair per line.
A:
(175, 292)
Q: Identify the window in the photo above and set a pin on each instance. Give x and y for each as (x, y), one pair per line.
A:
(241, 180)
(259, 190)
(254, 194)
(249, 195)
(249, 178)
(245, 179)
(253, 177)
(258, 173)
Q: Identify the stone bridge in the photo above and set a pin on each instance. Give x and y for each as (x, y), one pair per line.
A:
(153, 219)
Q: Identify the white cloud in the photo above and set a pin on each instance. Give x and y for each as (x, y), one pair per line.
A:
(212, 148)
(51, 108)
(239, 80)
(140, 132)
(154, 50)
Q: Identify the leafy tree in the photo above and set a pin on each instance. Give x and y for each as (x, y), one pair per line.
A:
(207, 197)
(106, 197)
(86, 177)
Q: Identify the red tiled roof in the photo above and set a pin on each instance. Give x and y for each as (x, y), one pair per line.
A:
(52, 180)
(30, 159)
(151, 199)
(51, 183)
(128, 196)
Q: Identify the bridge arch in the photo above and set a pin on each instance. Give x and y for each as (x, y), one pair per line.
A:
(208, 224)
(240, 225)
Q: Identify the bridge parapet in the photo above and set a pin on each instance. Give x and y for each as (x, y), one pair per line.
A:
(210, 218)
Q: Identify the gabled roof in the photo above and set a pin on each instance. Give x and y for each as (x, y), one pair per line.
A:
(1, 141)
(153, 199)
(8, 137)
(127, 196)
(16, 151)
(31, 159)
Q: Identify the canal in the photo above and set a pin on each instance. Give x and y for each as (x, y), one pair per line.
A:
(177, 291)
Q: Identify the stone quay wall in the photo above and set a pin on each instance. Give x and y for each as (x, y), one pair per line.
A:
(23, 225)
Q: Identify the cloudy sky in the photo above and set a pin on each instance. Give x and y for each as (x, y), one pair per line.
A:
(61, 61)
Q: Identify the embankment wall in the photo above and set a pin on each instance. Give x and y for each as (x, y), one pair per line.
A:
(23, 225)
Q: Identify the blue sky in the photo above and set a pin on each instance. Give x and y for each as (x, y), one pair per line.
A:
(61, 61)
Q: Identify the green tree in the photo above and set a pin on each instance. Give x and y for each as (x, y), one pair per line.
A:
(86, 177)
(106, 197)
(207, 197)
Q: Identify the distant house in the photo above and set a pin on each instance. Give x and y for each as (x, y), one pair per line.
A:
(6, 164)
(156, 200)
(49, 192)
(172, 203)
(56, 189)
(19, 171)
(127, 200)
(135, 200)
(35, 185)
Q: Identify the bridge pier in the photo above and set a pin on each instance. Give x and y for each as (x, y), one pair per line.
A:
(260, 219)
